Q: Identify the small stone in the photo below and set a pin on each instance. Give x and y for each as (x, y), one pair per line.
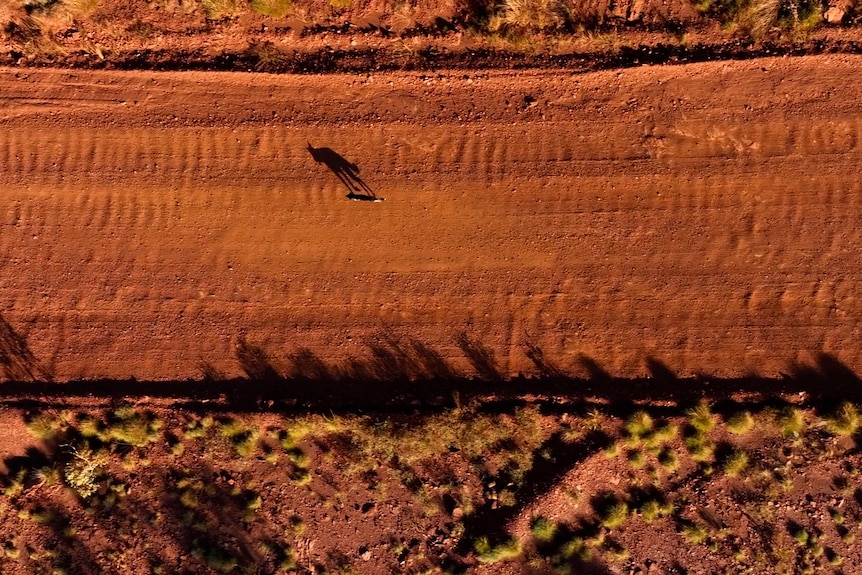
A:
(835, 15)
(457, 513)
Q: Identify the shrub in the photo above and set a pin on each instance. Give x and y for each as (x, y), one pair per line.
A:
(740, 423)
(253, 501)
(575, 548)
(220, 560)
(243, 439)
(735, 463)
(636, 459)
(528, 15)
(198, 429)
(288, 560)
(47, 476)
(695, 533)
(801, 536)
(131, 427)
(10, 550)
(298, 457)
(757, 17)
(615, 514)
(701, 418)
(661, 435)
(845, 421)
(245, 443)
(45, 427)
(543, 530)
(15, 484)
(82, 473)
(668, 460)
(300, 476)
(615, 552)
(791, 422)
(41, 516)
(189, 499)
(700, 448)
(650, 510)
(639, 424)
(488, 553)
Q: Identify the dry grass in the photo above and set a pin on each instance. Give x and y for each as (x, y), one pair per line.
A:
(272, 8)
(515, 17)
(736, 463)
(488, 553)
(758, 17)
(761, 19)
(846, 420)
(220, 9)
(740, 423)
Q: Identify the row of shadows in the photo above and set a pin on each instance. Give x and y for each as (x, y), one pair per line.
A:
(403, 373)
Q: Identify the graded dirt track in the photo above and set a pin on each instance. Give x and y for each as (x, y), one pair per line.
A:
(704, 215)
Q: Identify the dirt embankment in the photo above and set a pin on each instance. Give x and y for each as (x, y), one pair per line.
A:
(378, 35)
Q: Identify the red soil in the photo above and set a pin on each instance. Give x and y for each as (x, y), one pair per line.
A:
(704, 215)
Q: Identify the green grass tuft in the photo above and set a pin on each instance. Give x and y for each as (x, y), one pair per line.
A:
(801, 536)
(639, 424)
(846, 420)
(543, 530)
(695, 533)
(488, 553)
(791, 422)
(735, 463)
(668, 459)
(615, 515)
(45, 427)
(650, 510)
(740, 423)
(220, 560)
(700, 448)
(701, 418)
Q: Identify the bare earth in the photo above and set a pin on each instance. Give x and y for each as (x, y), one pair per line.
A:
(704, 215)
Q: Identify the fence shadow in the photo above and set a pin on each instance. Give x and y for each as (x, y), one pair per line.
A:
(17, 362)
(398, 372)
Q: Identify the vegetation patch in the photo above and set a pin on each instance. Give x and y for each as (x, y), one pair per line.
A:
(470, 484)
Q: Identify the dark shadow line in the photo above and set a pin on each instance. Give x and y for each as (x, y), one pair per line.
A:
(433, 58)
(398, 377)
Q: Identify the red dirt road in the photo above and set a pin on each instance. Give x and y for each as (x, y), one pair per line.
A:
(705, 215)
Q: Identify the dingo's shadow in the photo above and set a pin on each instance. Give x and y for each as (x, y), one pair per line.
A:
(345, 171)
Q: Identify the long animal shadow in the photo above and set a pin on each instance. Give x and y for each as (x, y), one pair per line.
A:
(346, 171)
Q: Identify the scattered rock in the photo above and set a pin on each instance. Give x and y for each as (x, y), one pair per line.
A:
(835, 15)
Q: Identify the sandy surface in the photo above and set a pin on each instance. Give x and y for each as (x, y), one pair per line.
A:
(705, 215)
